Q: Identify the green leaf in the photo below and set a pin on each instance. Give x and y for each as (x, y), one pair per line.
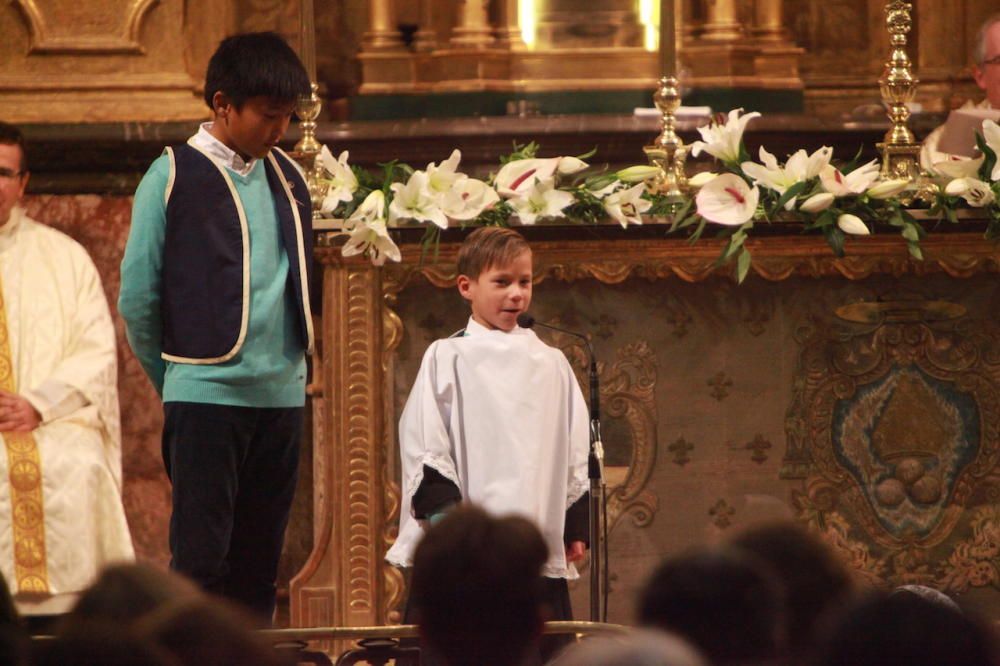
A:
(915, 250)
(699, 229)
(911, 233)
(835, 239)
(789, 194)
(742, 265)
(986, 168)
(587, 155)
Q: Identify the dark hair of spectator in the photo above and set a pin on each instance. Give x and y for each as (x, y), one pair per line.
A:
(124, 593)
(725, 602)
(11, 135)
(815, 580)
(908, 629)
(258, 64)
(99, 643)
(476, 588)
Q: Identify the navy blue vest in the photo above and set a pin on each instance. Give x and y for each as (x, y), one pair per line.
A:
(205, 290)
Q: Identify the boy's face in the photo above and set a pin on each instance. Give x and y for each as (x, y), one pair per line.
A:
(255, 128)
(500, 293)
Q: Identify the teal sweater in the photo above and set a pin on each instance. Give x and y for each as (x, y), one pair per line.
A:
(270, 368)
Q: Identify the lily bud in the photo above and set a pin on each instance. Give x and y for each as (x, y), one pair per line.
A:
(701, 178)
(637, 173)
(568, 165)
(852, 224)
(888, 188)
(817, 203)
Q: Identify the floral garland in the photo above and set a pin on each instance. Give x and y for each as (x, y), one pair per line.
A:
(835, 201)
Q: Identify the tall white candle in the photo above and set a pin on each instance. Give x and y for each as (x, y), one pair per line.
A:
(668, 38)
(307, 38)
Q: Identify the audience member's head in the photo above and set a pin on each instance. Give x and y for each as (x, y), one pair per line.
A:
(987, 56)
(815, 580)
(125, 593)
(207, 632)
(907, 629)
(98, 643)
(641, 648)
(929, 594)
(725, 602)
(476, 588)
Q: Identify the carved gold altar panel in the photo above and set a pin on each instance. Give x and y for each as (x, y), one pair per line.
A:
(797, 395)
(73, 61)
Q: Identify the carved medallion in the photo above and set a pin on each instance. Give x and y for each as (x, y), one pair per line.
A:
(896, 429)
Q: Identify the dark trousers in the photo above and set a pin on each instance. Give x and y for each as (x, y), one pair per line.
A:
(233, 472)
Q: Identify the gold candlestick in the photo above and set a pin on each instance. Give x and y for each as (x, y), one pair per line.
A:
(307, 149)
(668, 152)
(900, 152)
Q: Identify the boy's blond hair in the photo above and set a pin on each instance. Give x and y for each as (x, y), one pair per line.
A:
(487, 247)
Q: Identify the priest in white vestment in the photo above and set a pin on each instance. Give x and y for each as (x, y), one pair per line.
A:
(986, 72)
(61, 513)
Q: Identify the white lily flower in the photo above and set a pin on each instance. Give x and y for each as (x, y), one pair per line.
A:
(342, 182)
(372, 239)
(991, 134)
(637, 173)
(958, 166)
(701, 178)
(627, 205)
(517, 178)
(542, 201)
(727, 199)
(467, 199)
(723, 141)
(799, 168)
(369, 234)
(852, 224)
(370, 210)
(413, 201)
(856, 182)
(441, 178)
(817, 203)
(888, 188)
(977, 193)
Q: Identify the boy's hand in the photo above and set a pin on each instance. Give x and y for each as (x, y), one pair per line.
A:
(575, 551)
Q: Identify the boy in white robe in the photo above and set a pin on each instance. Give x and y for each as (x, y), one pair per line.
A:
(496, 418)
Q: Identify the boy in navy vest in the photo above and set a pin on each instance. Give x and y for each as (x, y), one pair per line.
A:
(216, 302)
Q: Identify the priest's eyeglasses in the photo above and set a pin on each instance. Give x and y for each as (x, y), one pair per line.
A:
(9, 174)
(995, 60)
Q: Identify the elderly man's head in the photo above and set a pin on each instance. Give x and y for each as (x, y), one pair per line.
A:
(987, 55)
(13, 169)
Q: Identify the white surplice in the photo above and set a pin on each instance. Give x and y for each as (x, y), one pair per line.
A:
(62, 345)
(500, 415)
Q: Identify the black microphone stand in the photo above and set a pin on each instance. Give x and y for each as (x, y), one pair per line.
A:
(595, 471)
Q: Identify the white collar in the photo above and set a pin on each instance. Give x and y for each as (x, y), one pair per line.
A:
(8, 232)
(475, 328)
(220, 152)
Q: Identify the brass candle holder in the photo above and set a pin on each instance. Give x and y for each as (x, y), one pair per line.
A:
(308, 148)
(898, 85)
(668, 152)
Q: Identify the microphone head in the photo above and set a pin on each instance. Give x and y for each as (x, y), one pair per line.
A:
(525, 320)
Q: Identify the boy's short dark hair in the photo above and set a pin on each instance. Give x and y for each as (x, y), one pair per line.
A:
(256, 64)
(489, 246)
(477, 587)
(11, 135)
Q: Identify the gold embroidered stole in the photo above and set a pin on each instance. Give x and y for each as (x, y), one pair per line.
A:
(24, 466)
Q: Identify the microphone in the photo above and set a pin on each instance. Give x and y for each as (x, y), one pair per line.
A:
(525, 320)
(595, 468)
